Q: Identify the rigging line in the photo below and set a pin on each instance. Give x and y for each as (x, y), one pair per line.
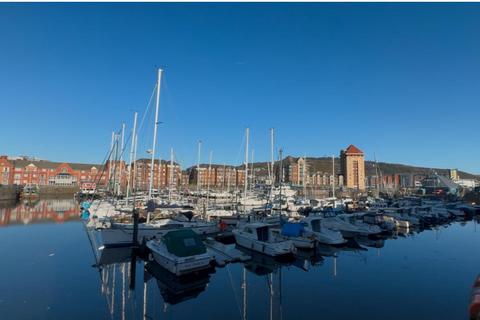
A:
(148, 107)
(234, 292)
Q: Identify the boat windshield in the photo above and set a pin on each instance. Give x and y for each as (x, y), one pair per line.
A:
(262, 234)
(316, 226)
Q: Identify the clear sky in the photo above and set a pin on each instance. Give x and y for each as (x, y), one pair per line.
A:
(398, 80)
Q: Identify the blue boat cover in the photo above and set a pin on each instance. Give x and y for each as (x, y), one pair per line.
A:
(292, 229)
(85, 205)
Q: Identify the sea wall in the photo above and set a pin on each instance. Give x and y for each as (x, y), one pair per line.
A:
(57, 190)
(9, 192)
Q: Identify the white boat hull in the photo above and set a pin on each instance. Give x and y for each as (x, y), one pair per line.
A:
(271, 249)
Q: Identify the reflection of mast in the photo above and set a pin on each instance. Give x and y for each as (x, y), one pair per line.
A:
(335, 266)
(123, 291)
(144, 300)
(113, 292)
(244, 287)
(271, 295)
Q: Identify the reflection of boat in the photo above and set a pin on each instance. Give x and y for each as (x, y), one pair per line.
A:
(180, 252)
(368, 242)
(326, 250)
(176, 289)
(261, 264)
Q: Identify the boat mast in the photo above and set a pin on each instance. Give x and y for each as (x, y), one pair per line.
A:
(198, 166)
(121, 159)
(171, 176)
(208, 177)
(110, 162)
(155, 128)
(251, 169)
(333, 179)
(281, 180)
(129, 176)
(247, 133)
(303, 177)
(272, 163)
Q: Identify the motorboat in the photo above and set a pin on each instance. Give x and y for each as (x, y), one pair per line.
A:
(314, 225)
(180, 252)
(365, 229)
(257, 236)
(296, 233)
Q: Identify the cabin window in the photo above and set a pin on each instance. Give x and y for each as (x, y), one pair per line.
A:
(262, 234)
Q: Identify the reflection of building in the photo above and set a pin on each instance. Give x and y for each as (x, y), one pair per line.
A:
(352, 165)
(44, 210)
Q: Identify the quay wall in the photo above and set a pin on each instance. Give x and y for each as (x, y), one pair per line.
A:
(9, 193)
(57, 190)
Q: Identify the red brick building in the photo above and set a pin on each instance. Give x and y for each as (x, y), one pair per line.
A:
(23, 171)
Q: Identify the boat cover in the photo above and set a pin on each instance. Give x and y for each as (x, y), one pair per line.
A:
(184, 243)
(292, 229)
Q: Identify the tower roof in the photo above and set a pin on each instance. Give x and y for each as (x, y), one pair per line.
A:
(353, 150)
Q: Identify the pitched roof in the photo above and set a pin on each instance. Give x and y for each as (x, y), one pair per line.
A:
(353, 150)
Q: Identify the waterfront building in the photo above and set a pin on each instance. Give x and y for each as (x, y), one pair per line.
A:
(164, 174)
(219, 176)
(296, 171)
(454, 174)
(352, 164)
(26, 171)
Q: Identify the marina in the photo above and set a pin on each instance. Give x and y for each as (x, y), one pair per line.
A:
(281, 161)
(426, 269)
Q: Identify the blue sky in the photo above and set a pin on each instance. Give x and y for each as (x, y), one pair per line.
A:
(398, 80)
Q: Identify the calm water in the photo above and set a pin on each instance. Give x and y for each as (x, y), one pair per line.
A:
(48, 272)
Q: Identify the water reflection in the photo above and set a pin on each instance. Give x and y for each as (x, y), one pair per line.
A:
(38, 211)
(264, 287)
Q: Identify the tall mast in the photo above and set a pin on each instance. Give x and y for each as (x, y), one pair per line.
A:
(377, 185)
(208, 178)
(272, 163)
(198, 166)
(280, 152)
(171, 176)
(131, 153)
(333, 178)
(304, 177)
(247, 133)
(121, 159)
(251, 169)
(110, 162)
(157, 105)
(115, 161)
(134, 179)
